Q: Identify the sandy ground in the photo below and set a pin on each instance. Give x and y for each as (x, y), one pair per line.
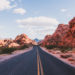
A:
(58, 54)
(4, 57)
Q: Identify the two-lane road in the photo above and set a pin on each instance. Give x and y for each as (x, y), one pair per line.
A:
(53, 66)
(35, 62)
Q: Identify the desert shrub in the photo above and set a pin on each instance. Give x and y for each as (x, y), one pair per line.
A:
(61, 48)
(50, 46)
(0, 50)
(65, 56)
(65, 49)
(23, 47)
(8, 50)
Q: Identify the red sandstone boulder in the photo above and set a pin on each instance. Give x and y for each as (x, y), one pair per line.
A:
(56, 38)
(61, 30)
(71, 59)
(45, 41)
(65, 55)
(19, 41)
(69, 37)
(23, 39)
(13, 45)
(2, 43)
(5, 42)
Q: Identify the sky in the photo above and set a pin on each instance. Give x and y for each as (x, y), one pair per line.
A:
(35, 18)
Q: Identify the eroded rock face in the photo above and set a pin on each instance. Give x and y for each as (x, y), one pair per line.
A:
(61, 30)
(5, 42)
(72, 27)
(13, 45)
(45, 41)
(63, 36)
(69, 37)
(22, 39)
(2, 43)
(56, 38)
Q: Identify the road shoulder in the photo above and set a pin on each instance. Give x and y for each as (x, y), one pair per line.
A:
(58, 57)
(4, 57)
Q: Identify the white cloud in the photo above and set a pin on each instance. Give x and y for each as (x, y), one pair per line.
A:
(21, 26)
(38, 26)
(38, 21)
(12, 0)
(63, 10)
(5, 4)
(19, 11)
(1, 26)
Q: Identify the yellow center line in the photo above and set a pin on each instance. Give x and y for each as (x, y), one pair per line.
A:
(38, 69)
(39, 65)
(42, 73)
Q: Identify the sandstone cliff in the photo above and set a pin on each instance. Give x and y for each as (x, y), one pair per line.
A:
(64, 36)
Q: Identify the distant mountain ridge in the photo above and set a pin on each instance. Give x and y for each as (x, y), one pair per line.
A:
(37, 40)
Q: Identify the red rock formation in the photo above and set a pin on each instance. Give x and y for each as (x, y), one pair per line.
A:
(56, 38)
(5, 42)
(2, 43)
(20, 40)
(63, 36)
(23, 39)
(45, 41)
(61, 30)
(13, 45)
(69, 37)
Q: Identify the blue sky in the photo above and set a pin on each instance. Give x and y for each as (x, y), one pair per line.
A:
(36, 18)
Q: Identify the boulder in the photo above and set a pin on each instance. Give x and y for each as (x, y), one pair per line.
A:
(2, 43)
(13, 45)
(65, 55)
(22, 39)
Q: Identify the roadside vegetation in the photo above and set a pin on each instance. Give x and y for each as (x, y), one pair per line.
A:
(7, 50)
(62, 49)
(23, 47)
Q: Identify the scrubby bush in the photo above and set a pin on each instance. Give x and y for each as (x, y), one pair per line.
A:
(23, 47)
(65, 49)
(50, 46)
(61, 48)
(7, 50)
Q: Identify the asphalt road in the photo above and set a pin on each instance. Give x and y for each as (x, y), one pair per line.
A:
(35, 62)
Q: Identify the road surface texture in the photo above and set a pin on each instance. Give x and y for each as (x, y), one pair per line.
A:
(35, 62)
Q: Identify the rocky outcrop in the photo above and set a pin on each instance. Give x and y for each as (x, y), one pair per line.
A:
(13, 45)
(23, 39)
(2, 43)
(65, 55)
(19, 41)
(56, 38)
(63, 36)
(61, 30)
(5, 42)
(45, 41)
(69, 37)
